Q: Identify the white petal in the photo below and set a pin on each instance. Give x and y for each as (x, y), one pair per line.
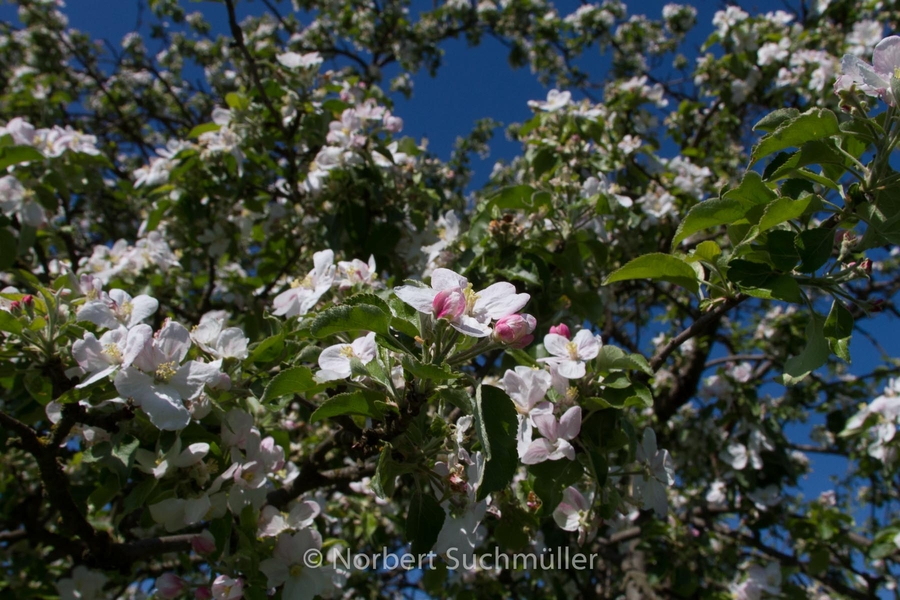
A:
(571, 369)
(445, 279)
(570, 423)
(500, 300)
(420, 299)
(193, 375)
(174, 341)
(588, 344)
(142, 307)
(333, 359)
(556, 345)
(537, 452)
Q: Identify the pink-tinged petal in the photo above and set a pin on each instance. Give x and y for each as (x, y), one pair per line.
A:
(449, 304)
(139, 337)
(191, 455)
(571, 369)
(232, 343)
(445, 279)
(575, 499)
(142, 307)
(333, 359)
(287, 303)
(570, 423)
(547, 424)
(275, 570)
(303, 514)
(567, 517)
(499, 300)
(322, 261)
(471, 327)
(556, 345)
(98, 376)
(563, 449)
(523, 436)
(537, 452)
(190, 378)
(364, 347)
(88, 353)
(173, 341)
(420, 299)
(271, 522)
(98, 313)
(886, 57)
(588, 344)
(162, 403)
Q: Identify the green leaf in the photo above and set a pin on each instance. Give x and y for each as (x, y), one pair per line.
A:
(781, 210)
(751, 191)
(9, 323)
(359, 402)
(14, 155)
(838, 329)
(551, 478)
(386, 472)
(814, 124)
(814, 247)
(708, 251)
(138, 496)
(363, 317)
(657, 266)
(813, 356)
(774, 119)
(235, 100)
(707, 214)
(292, 381)
(221, 531)
(760, 281)
(423, 523)
(201, 129)
(268, 350)
(426, 371)
(781, 249)
(612, 358)
(496, 425)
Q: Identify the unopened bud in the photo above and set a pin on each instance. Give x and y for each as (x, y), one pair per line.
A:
(202, 593)
(169, 586)
(866, 266)
(449, 304)
(515, 330)
(15, 306)
(28, 300)
(877, 305)
(204, 543)
(561, 329)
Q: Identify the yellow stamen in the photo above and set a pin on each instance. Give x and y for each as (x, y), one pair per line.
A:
(165, 372)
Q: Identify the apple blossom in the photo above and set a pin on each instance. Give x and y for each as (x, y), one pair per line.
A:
(569, 356)
(170, 586)
(875, 79)
(118, 308)
(651, 488)
(305, 293)
(159, 382)
(526, 387)
(289, 567)
(573, 512)
(335, 360)
(494, 302)
(557, 435)
(226, 588)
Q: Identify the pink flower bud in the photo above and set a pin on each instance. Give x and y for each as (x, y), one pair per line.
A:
(449, 304)
(515, 330)
(15, 306)
(561, 329)
(28, 300)
(169, 586)
(204, 543)
(202, 593)
(867, 266)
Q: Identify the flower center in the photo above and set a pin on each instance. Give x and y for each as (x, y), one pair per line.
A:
(306, 282)
(572, 349)
(165, 372)
(347, 351)
(471, 297)
(296, 570)
(124, 310)
(113, 352)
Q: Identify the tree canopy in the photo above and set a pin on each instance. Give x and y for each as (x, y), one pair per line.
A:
(255, 342)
